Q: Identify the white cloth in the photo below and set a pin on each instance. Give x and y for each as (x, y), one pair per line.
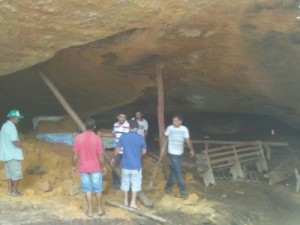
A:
(36, 120)
(176, 136)
(143, 126)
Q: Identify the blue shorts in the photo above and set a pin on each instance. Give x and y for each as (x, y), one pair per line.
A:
(13, 170)
(91, 182)
(131, 178)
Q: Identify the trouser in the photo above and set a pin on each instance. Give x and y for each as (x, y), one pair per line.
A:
(176, 173)
(116, 177)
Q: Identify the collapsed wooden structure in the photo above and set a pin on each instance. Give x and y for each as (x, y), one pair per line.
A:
(232, 156)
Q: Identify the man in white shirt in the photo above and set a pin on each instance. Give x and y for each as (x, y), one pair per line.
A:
(121, 127)
(177, 134)
(143, 124)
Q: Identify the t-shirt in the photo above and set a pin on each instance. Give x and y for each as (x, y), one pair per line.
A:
(176, 136)
(143, 126)
(120, 129)
(88, 145)
(132, 144)
(8, 151)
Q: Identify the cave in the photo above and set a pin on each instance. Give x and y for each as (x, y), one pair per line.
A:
(229, 68)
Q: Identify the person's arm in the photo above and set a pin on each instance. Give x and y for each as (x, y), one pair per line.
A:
(105, 133)
(101, 161)
(144, 151)
(116, 152)
(75, 158)
(189, 144)
(145, 133)
(146, 129)
(17, 144)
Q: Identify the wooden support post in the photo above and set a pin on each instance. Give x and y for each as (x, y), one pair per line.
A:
(136, 211)
(63, 101)
(160, 117)
(141, 196)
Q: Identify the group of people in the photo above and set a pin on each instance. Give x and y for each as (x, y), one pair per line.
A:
(88, 158)
(130, 148)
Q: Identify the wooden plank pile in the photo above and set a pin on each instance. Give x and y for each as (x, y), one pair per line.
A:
(230, 158)
(284, 170)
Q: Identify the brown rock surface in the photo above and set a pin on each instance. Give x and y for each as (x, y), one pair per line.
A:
(226, 56)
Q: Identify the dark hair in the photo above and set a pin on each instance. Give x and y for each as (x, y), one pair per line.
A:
(122, 113)
(90, 123)
(177, 116)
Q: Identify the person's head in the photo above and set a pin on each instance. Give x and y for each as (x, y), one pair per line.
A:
(133, 125)
(121, 117)
(14, 116)
(90, 124)
(177, 120)
(138, 115)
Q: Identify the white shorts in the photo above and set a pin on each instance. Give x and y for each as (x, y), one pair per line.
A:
(133, 179)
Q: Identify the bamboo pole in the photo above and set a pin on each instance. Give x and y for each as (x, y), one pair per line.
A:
(136, 211)
(63, 101)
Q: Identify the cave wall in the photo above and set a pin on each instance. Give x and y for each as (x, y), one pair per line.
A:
(219, 56)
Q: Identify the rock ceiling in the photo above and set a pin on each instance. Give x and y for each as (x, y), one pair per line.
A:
(219, 56)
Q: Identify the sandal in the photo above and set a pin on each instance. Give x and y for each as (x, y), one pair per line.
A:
(101, 214)
(88, 215)
(16, 194)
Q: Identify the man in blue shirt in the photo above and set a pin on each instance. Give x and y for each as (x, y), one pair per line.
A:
(11, 152)
(134, 147)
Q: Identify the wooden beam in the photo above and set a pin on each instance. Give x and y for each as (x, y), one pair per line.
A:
(161, 117)
(63, 101)
(136, 211)
(270, 143)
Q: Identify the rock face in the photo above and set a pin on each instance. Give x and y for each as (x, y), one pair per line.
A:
(219, 56)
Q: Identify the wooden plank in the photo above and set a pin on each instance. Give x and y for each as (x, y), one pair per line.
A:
(284, 170)
(223, 148)
(271, 143)
(221, 154)
(268, 150)
(227, 160)
(248, 149)
(136, 211)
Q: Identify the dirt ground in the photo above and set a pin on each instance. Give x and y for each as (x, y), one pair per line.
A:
(51, 192)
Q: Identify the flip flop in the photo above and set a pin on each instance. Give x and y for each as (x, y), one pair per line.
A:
(16, 194)
(88, 215)
(101, 214)
(136, 208)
